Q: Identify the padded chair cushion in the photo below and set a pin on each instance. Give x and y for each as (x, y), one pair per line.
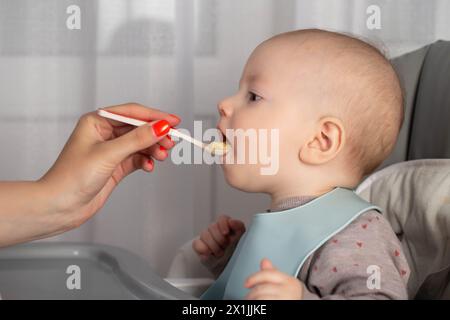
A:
(430, 130)
(416, 198)
(424, 74)
(408, 67)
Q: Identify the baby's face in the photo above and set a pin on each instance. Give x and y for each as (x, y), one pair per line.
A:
(273, 94)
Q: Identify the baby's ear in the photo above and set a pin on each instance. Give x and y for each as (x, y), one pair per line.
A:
(326, 142)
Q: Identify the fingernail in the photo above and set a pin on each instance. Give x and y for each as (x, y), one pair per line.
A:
(162, 149)
(168, 137)
(150, 163)
(161, 128)
(176, 117)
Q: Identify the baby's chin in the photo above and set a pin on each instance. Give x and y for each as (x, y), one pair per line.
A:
(238, 177)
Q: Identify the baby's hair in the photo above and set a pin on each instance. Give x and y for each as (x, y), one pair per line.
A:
(392, 116)
(383, 50)
(375, 43)
(370, 93)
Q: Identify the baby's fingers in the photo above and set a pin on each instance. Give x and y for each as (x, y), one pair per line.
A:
(264, 292)
(212, 244)
(200, 247)
(223, 224)
(236, 225)
(218, 236)
(237, 229)
(265, 276)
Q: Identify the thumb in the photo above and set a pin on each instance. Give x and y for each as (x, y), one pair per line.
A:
(237, 228)
(236, 225)
(266, 264)
(136, 140)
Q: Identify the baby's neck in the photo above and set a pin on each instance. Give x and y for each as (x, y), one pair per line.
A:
(290, 202)
(284, 199)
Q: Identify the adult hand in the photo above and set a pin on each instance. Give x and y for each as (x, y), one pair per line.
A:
(98, 155)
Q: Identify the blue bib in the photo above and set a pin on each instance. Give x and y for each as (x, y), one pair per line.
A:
(287, 238)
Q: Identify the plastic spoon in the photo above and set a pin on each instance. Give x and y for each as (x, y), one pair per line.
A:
(215, 148)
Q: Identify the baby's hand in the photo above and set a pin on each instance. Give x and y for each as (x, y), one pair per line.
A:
(220, 235)
(271, 284)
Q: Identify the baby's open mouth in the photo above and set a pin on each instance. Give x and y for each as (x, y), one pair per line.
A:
(220, 148)
(224, 137)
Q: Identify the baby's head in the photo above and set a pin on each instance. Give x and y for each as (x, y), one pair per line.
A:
(336, 101)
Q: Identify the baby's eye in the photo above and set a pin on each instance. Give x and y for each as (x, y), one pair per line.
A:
(253, 96)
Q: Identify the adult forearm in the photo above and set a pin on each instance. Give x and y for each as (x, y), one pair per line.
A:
(97, 156)
(26, 212)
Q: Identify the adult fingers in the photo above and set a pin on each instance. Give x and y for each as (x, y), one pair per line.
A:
(116, 150)
(140, 112)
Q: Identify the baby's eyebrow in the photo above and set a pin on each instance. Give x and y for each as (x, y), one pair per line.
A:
(252, 78)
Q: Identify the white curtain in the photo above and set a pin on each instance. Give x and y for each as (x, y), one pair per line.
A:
(125, 51)
(182, 56)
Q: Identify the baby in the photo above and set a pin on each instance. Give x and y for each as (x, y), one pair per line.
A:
(338, 106)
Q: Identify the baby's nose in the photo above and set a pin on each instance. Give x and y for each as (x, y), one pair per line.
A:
(224, 108)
